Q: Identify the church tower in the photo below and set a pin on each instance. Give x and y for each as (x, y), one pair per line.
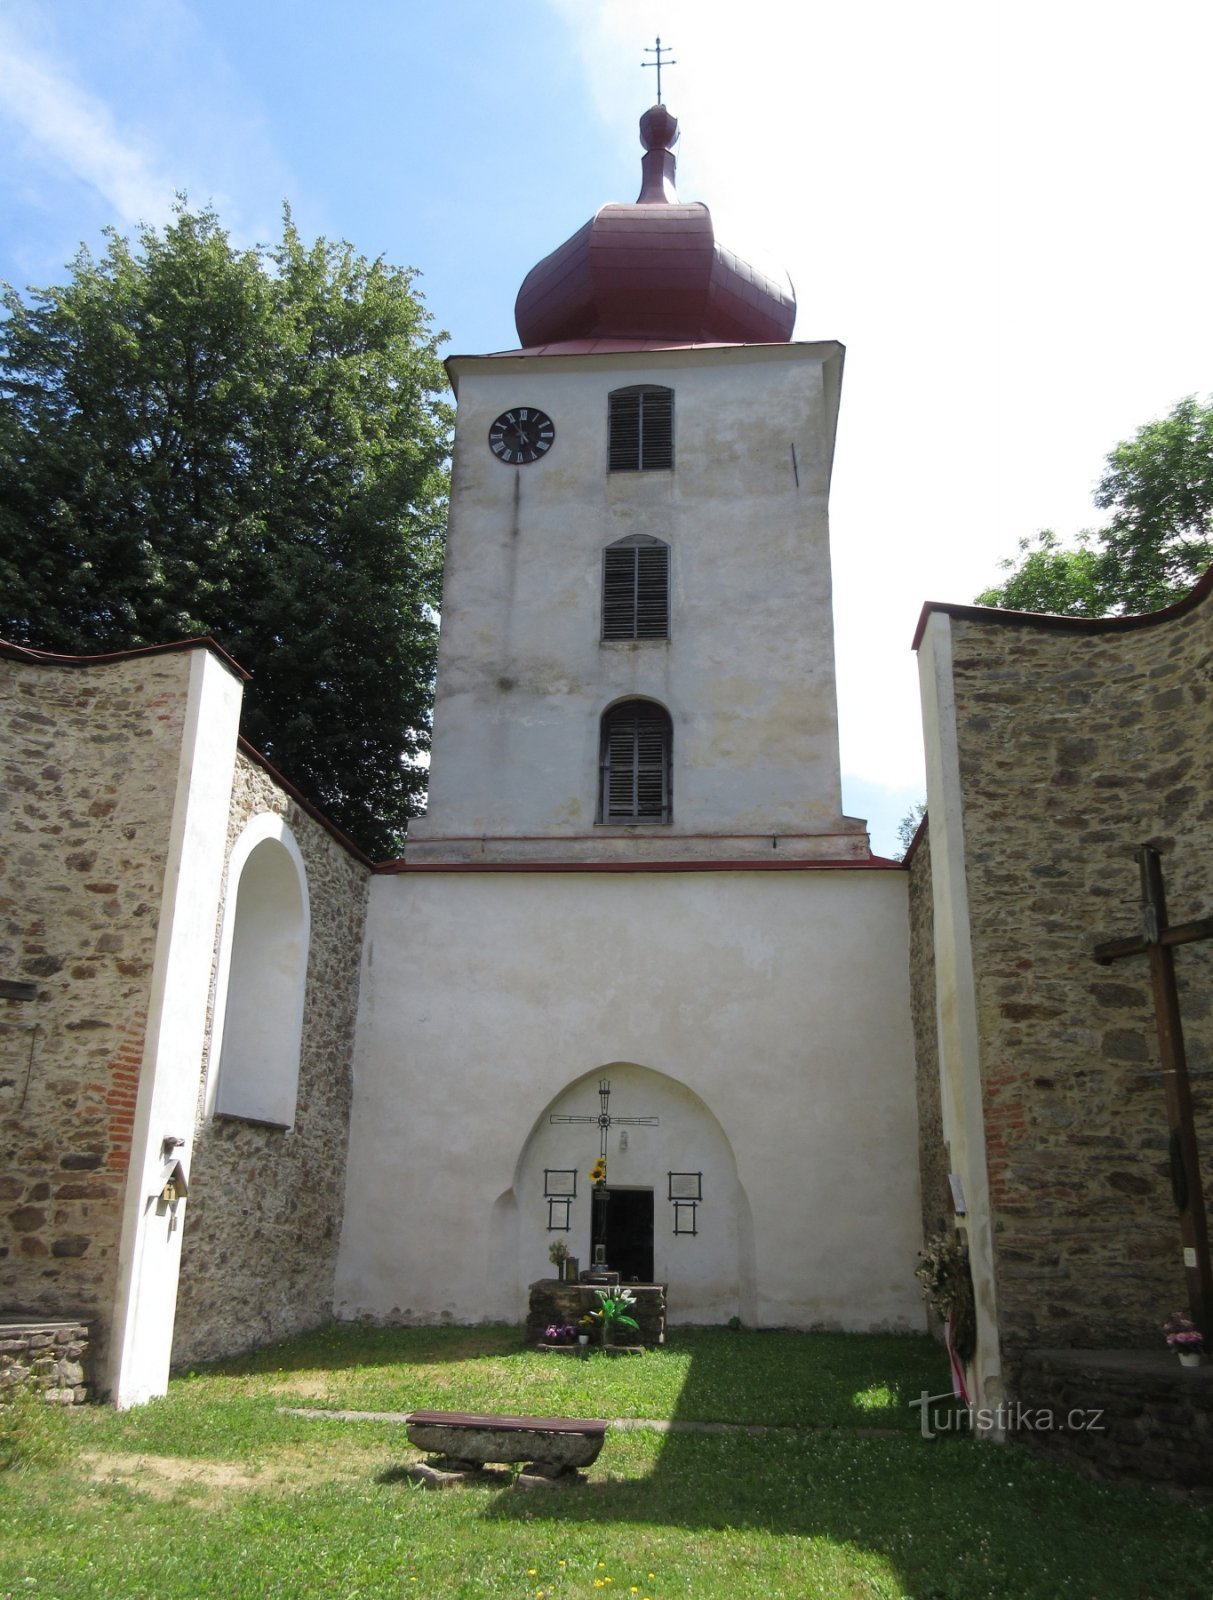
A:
(636, 657)
(634, 884)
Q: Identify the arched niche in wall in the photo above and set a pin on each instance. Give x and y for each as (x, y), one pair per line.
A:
(258, 1021)
(710, 1273)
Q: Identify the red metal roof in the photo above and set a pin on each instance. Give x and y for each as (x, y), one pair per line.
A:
(653, 270)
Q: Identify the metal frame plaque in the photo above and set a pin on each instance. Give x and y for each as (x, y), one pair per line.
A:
(686, 1185)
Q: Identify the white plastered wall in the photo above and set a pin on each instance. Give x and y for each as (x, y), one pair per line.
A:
(775, 1004)
(166, 1106)
(956, 998)
(747, 673)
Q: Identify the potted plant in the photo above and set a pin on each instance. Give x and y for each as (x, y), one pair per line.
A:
(560, 1333)
(585, 1326)
(557, 1251)
(1185, 1338)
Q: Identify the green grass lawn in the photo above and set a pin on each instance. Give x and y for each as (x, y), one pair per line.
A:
(220, 1490)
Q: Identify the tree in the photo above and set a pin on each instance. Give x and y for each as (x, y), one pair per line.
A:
(246, 443)
(908, 827)
(1157, 542)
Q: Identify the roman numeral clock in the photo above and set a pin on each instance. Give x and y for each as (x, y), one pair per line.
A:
(521, 436)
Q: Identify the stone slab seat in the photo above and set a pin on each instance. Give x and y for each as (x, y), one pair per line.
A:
(553, 1444)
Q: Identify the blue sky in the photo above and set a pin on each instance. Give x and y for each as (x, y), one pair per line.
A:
(1000, 209)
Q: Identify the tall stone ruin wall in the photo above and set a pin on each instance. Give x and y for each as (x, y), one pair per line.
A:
(263, 1218)
(1077, 744)
(87, 788)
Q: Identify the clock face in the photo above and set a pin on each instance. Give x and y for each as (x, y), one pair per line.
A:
(521, 436)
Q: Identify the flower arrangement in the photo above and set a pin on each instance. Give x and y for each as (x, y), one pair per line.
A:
(613, 1309)
(557, 1252)
(585, 1323)
(598, 1171)
(947, 1287)
(1182, 1334)
(560, 1333)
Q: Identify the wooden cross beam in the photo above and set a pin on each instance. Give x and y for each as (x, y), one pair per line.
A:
(1158, 940)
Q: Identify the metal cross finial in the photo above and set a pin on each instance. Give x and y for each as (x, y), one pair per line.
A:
(604, 1119)
(656, 50)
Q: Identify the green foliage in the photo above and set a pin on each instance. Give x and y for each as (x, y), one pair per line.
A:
(1051, 578)
(1157, 542)
(908, 826)
(256, 1502)
(1159, 487)
(247, 443)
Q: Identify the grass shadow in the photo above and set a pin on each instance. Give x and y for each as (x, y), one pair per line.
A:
(346, 1345)
(941, 1518)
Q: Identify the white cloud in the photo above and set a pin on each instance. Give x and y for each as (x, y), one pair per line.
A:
(67, 128)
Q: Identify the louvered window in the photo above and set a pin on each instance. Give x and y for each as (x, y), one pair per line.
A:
(641, 428)
(636, 589)
(636, 740)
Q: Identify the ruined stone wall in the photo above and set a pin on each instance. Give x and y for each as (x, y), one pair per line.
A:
(87, 787)
(1075, 746)
(263, 1216)
(932, 1152)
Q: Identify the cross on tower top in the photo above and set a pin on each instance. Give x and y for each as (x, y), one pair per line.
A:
(657, 50)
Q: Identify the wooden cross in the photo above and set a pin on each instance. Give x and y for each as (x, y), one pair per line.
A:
(1158, 940)
(650, 50)
(604, 1119)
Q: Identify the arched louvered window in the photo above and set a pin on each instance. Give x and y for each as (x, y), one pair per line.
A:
(636, 589)
(641, 429)
(637, 737)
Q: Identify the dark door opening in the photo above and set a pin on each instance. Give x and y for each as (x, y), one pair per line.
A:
(623, 1224)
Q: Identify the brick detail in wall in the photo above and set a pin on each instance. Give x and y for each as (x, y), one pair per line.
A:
(87, 785)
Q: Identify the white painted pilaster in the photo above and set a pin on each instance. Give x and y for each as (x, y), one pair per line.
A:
(150, 1251)
(956, 994)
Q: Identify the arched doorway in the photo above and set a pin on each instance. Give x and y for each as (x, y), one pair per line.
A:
(671, 1209)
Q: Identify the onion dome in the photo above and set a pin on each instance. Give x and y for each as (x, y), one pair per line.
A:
(653, 270)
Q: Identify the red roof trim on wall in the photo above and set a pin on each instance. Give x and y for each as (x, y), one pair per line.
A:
(52, 658)
(920, 833)
(304, 804)
(875, 864)
(1047, 620)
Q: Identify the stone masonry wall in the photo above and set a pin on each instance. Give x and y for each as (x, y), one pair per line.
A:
(1075, 746)
(51, 1358)
(1118, 1414)
(263, 1217)
(87, 789)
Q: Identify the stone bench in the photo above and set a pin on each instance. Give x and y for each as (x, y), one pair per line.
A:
(551, 1447)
